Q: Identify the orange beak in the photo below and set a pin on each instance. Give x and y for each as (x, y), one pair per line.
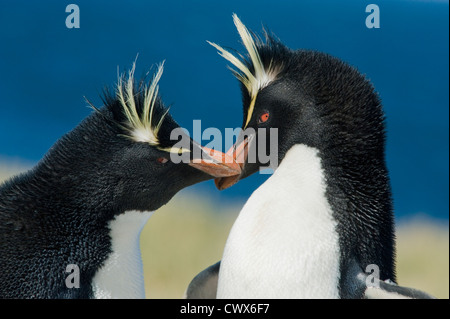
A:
(239, 155)
(216, 163)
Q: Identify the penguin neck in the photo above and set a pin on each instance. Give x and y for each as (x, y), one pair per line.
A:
(121, 275)
(358, 191)
(285, 234)
(74, 174)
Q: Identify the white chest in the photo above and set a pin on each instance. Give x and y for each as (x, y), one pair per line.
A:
(284, 243)
(122, 275)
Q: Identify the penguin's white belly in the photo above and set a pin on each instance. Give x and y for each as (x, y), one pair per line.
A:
(284, 243)
(121, 276)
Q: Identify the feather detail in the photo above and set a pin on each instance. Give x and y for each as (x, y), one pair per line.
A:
(261, 76)
(140, 127)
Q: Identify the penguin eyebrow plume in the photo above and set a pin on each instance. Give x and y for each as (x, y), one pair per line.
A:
(261, 77)
(140, 123)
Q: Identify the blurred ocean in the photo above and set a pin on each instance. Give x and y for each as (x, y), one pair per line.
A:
(46, 69)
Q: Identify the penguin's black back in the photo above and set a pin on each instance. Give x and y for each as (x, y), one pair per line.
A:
(46, 220)
(348, 126)
(342, 117)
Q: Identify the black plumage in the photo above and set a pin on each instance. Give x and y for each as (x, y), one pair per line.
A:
(322, 102)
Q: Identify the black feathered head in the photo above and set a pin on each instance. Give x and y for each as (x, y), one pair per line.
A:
(310, 97)
(135, 135)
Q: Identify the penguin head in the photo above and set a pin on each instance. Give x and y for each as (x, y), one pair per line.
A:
(137, 152)
(304, 97)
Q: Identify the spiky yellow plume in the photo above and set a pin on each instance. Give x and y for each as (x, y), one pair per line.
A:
(140, 123)
(261, 75)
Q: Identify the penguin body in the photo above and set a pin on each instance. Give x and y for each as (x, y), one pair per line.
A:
(56, 215)
(121, 275)
(278, 226)
(325, 216)
(84, 204)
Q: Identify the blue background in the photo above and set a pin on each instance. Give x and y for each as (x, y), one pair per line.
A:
(46, 69)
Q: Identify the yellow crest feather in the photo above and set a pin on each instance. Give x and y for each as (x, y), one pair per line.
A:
(253, 82)
(141, 127)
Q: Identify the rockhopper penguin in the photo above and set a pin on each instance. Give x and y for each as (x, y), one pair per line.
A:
(84, 204)
(322, 225)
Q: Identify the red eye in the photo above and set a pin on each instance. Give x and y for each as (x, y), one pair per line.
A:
(263, 117)
(162, 160)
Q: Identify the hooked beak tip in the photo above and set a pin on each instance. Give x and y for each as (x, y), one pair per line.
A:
(226, 182)
(239, 154)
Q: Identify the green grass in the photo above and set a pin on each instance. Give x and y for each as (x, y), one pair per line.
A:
(188, 234)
